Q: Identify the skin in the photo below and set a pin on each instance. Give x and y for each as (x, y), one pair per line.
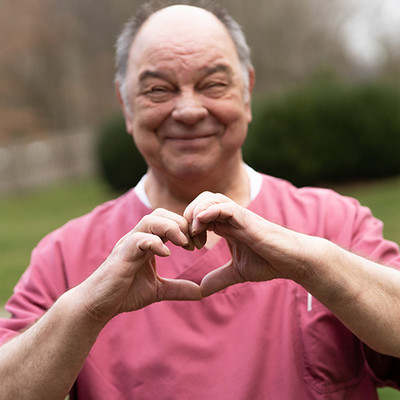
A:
(262, 251)
(187, 110)
(188, 115)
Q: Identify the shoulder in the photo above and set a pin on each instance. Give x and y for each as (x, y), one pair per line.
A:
(315, 211)
(308, 199)
(328, 214)
(107, 222)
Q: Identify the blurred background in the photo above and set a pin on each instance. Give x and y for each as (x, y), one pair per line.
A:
(326, 108)
(57, 92)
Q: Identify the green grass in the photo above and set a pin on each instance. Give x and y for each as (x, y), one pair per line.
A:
(383, 197)
(25, 219)
(388, 394)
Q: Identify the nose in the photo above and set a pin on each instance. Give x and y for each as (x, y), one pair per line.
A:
(188, 108)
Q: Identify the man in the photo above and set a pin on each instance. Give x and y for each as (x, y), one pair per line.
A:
(83, 319)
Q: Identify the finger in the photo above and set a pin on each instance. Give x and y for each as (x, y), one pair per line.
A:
(134, 246)
(199, 205)
(188, 213)
(168, 226)
(179, 289)
(219, 279)
(219, 212)
(200, 240)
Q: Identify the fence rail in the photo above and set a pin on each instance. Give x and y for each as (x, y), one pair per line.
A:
(38, 163)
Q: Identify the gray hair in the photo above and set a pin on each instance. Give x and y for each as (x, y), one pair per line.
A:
(134, 24)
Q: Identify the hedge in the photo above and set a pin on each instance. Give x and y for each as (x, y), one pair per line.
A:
(118, 159)
(327, 132)
(317, 133)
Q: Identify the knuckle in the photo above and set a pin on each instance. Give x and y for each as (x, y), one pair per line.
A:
(158, 211)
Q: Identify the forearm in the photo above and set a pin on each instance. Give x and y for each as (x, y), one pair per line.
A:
(364, 295)
(44, 361)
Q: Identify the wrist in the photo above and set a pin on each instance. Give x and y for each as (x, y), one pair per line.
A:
(76, 307)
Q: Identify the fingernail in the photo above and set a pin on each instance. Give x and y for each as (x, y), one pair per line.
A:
(195, 228)
(167, 251)
(190, 246)
(184, 238)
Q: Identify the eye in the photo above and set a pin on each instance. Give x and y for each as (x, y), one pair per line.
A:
(211, 85)
(214, 88)
(159, 93)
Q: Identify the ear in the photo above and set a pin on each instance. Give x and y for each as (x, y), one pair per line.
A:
(252, 79)
(124, 108)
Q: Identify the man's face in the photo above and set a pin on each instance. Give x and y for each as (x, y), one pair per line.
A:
(188, 112)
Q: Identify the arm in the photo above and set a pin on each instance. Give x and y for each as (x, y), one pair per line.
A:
(44, 361)
(362, 294)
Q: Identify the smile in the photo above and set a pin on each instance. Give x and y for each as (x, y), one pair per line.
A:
(190, 138)
(190, 142)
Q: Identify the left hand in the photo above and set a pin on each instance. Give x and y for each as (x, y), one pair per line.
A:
(260, 250)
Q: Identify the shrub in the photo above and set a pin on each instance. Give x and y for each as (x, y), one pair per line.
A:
(327, 132)
(120, 163)
(318, 133)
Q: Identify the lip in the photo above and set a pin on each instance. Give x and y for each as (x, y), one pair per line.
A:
(189, 141)
(189, 137)
(185, 143)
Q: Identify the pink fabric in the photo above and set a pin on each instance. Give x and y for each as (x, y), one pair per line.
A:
(250, 341)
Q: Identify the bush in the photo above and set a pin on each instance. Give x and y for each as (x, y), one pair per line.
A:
(327, 132)
(318, 133)
(120, 163)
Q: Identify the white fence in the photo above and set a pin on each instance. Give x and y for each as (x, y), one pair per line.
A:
(25, 166)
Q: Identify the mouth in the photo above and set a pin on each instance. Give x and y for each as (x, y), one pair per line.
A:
(190, 137)
(190, 142)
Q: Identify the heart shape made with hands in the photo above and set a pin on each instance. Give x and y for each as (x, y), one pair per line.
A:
(260, 251)
(213, 217)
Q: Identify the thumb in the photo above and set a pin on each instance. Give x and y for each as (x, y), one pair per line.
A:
(179, 289)
(220, 279)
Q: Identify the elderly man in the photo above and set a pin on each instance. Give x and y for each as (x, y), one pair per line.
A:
(309, 321)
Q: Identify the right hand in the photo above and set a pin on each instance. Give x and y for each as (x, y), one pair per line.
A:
(128, 279)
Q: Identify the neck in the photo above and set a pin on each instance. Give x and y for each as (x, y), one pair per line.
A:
(175, 194)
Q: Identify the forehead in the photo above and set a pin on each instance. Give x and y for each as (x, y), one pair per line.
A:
(183, 35)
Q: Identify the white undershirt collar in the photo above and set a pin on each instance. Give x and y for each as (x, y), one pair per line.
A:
(255, 180)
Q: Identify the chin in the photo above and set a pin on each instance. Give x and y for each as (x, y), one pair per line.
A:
(190, 170)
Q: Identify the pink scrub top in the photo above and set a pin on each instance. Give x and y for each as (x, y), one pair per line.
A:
(268, 340)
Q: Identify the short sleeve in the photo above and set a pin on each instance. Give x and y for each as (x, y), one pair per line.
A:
(37, 290)
(367, 240)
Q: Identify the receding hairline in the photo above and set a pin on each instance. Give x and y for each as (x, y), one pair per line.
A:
(151, 8)
(170, 11)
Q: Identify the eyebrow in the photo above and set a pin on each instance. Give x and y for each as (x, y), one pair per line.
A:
(151, 74)
(218, 68)
(148, 74)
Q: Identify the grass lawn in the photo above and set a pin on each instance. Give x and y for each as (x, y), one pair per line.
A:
(383, 197)
(26, 218)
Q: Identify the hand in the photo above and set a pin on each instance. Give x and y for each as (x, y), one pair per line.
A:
(260, 250)
(128, 279)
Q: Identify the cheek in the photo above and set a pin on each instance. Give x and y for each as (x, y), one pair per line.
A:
(146, 121)
(230, 111)
(148, 117)
(235, 117)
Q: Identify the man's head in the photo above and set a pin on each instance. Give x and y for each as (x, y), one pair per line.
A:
(133, 26)
(185, 92)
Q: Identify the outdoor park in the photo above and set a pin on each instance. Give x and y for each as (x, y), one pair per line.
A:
(326, 112)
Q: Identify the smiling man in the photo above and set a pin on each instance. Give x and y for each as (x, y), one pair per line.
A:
(310, 319)
(187, 107)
